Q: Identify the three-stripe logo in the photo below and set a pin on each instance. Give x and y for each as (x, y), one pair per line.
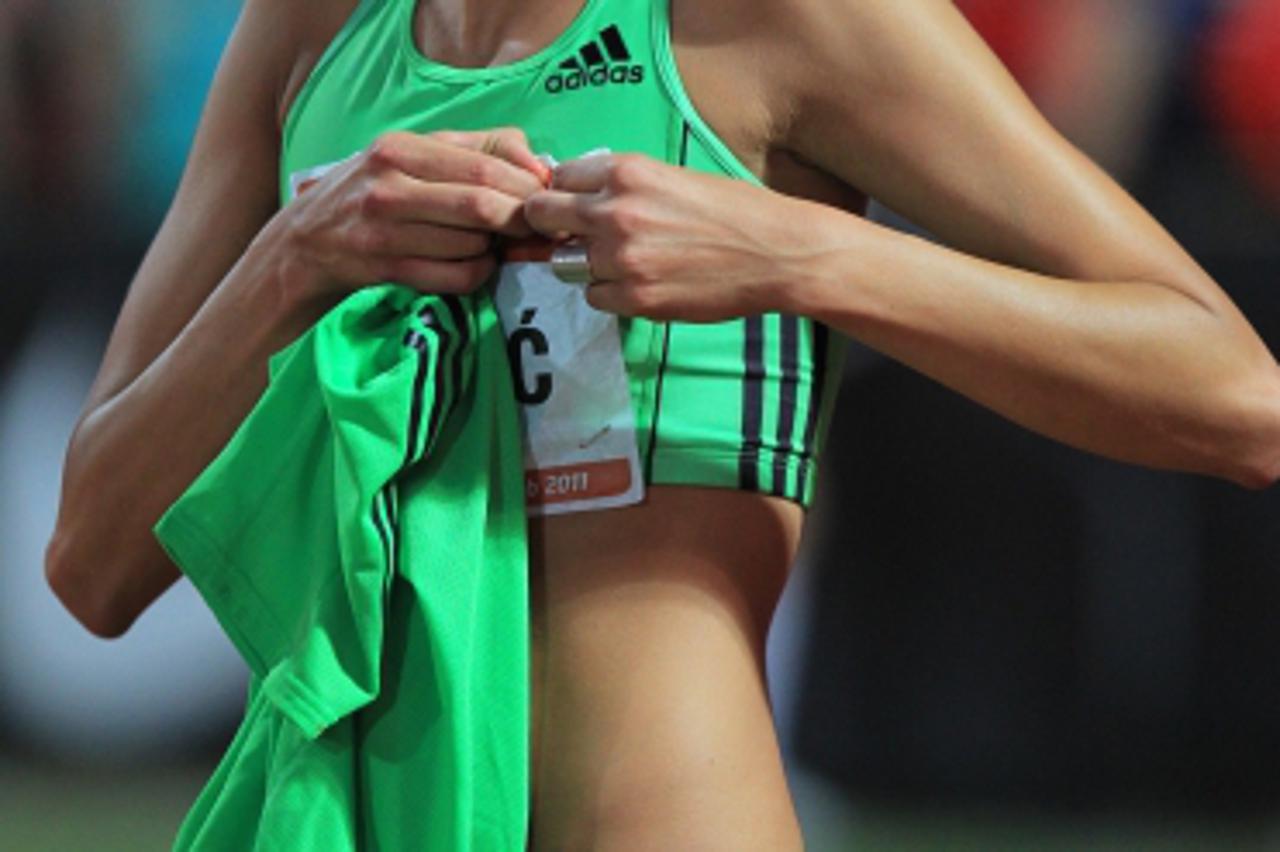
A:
(603, 61)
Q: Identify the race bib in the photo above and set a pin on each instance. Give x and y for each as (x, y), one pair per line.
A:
(571, 383)
(570, 380)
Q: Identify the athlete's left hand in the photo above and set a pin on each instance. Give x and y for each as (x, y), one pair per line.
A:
(672, 244)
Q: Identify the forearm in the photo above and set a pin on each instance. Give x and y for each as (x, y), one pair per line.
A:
(133, 454)
(187, 360)
(1130, 352)
(1135, 370)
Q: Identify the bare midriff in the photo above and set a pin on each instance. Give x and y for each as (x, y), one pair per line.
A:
(651, 720)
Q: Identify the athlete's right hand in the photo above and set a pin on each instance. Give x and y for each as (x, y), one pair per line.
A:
(419, 210)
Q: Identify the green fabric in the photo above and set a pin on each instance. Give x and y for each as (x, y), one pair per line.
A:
(361, 539)
(741, 404)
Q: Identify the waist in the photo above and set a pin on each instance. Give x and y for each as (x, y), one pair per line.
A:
(650, 705)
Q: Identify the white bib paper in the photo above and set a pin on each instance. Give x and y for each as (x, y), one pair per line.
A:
(566, 358)
(571, 383)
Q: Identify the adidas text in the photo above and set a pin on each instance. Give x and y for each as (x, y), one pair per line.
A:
(616, 75)
(602, 61)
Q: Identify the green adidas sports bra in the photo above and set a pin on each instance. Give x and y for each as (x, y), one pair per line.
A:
(741, 404)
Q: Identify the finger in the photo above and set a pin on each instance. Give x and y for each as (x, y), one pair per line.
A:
(660, 302)
(425, 240)
(585, 174)
(438, 276)
(612, 297)
(507, 143)
(452, 205)
(560, 214)
(431, 160)
(453, 164)
(512, 146)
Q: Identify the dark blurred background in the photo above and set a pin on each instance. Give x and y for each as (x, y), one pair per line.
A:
(991, 642)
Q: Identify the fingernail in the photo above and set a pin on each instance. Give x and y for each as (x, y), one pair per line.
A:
(547, 173)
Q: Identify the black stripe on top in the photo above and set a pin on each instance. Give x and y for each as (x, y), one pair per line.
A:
(752, 404)
(384, 520)
(391, 493)
(657, 403)
(416, 340)
(439, 404)
(787, 395)
(817, 392)
(392, 508)
(389, 507)
(462, 322)
(449, 353)
(385, 534)
(666, 340)
(612, 38)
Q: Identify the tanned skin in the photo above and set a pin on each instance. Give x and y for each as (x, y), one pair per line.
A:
(1060, 304)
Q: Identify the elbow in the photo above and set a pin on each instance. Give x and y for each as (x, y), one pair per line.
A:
(82, 593)
(1258, 475)
(1254, 462)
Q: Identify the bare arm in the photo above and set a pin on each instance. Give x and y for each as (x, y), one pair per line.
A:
(1118, 342)
(1062, 305)
(229, 280)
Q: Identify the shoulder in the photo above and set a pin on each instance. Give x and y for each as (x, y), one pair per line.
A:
(791, 51)
(801, 44)
(788, 28)
(737, 62)
(286, 38)
(861, 75)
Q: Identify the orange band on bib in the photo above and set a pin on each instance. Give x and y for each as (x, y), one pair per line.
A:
(591, 481)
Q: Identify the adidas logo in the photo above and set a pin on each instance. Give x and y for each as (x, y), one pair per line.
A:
(593, 66)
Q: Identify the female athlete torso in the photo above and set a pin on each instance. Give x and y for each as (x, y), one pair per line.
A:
(651, 724)
(651, 720)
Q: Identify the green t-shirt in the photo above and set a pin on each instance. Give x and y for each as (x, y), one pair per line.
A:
(362, 541)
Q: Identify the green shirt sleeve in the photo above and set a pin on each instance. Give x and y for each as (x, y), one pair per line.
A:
(362, 541)
(290, 534)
